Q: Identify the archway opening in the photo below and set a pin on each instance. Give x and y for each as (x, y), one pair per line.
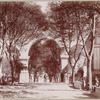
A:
(45, 61)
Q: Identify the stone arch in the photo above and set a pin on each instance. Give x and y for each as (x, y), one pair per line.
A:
(32, 49)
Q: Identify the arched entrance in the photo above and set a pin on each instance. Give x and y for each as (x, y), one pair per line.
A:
(44, 60)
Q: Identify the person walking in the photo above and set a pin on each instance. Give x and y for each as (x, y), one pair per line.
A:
(45, 77)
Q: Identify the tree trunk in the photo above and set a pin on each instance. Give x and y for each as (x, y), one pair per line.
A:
(19, 77)
(73, 76)
(87, 78)
(12, 72)
(30, 79)
(1, 70)
(12, 76)
(35, 76)
(50, 78)
(90, 73)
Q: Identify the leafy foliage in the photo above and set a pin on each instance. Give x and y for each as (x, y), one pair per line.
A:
(20, 22)
(74, 22)
(46, 53)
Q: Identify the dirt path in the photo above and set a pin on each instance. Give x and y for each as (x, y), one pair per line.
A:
(43, 90)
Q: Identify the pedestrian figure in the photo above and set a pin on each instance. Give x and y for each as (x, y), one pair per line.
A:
(97, 81)
(45, 78)
(37, 77)
(4, 79)
(96, 84)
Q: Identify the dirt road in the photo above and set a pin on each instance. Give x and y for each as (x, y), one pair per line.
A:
(44, 91)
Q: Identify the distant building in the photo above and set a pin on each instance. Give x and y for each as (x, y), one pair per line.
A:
(96, 52)
(96, 56)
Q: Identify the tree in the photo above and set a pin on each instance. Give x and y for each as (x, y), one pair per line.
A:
(84, 22)
(66, 28)
(53, 60)
(9, 13)
(92, 11)
(45, 54)
(20, 23)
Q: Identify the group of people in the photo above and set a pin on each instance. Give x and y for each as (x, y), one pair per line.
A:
(82, 77)
(3, 80)
(96, 83)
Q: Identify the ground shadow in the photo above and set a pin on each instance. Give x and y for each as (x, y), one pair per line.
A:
(73, 87)
(87, 96)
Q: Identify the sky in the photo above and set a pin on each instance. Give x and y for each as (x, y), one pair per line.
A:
(43, 5)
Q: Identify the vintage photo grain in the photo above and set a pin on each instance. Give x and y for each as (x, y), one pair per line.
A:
(50, 49)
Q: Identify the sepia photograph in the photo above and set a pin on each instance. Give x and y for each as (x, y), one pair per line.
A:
(50, 49)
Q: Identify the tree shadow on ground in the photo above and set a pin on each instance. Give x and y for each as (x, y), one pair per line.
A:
(13, 94)
(17, 91)
(18, 86)
(8, 94)
(72, 87)
(87, 96)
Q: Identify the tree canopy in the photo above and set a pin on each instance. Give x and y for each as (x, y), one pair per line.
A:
(74, 21)
(46, 53)
(20, 22)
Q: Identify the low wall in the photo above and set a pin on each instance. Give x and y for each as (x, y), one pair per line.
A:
(78, 84)
(97, 92)
(24, 77)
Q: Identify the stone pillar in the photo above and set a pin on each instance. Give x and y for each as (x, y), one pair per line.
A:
(24, 76)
